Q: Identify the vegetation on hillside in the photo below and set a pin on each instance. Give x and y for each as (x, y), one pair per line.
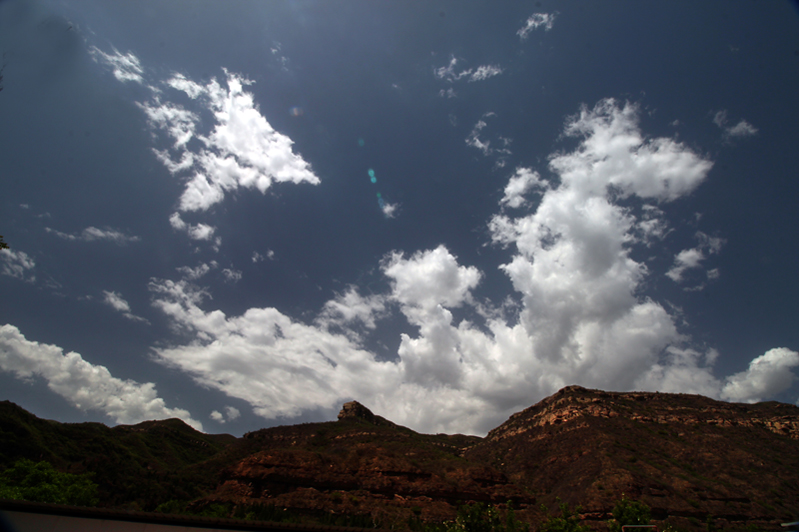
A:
(41, 482)
(627, 512)
(135, 467)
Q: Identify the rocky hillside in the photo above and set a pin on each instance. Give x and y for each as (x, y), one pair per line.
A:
(362, 463)
(688, 457)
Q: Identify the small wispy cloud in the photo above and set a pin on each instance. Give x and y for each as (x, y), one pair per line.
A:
(92, 234)
(691, 259)
(257, 257)
(485, 72)
(450, 73)
(740, 130)
(197, 272)
(17, 264)
(125, 67)
(474, 140)
(198, 231)
(390, 210)
(116, 301)
(535, 21)
(500, 147)
(231, 275)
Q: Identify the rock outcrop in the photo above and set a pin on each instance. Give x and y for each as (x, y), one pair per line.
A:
(356, 411)
(686, 456)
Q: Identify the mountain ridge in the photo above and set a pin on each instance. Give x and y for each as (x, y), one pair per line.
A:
(688, 457)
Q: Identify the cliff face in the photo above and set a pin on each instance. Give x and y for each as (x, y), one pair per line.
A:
(686, 456)
(574, 402)
(362, 464)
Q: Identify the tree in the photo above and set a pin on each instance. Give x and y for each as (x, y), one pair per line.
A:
(3, 244)
(627, 512)
(568, 521)
(41, 482)
(481, 518)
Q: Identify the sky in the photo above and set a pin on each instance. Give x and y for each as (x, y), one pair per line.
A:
(244, 214)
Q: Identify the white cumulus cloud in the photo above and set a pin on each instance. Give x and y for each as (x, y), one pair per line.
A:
(767, 375)
(84, 385)
(198, 231)
(240, 150)
(350, 307)
(243, 150)
(465, 365)
(276, 364)
(232, 413)
(523, 181)
(430, 278)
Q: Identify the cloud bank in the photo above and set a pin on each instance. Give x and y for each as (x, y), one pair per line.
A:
(84, 385)
(575, 315)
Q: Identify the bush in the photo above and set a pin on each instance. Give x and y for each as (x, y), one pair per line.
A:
(627, 512)
(172, 507)
(41, 482)
(567, 522)
(481, 518)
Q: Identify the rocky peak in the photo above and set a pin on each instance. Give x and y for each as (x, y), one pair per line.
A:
(355, 410)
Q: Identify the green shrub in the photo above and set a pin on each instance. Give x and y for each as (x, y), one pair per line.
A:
(567, 522)
(41, 482)
(481, 518)
(627, 512)
(215, 510)
(172, 507)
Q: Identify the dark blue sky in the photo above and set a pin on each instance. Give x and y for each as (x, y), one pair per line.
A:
(564, 193)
